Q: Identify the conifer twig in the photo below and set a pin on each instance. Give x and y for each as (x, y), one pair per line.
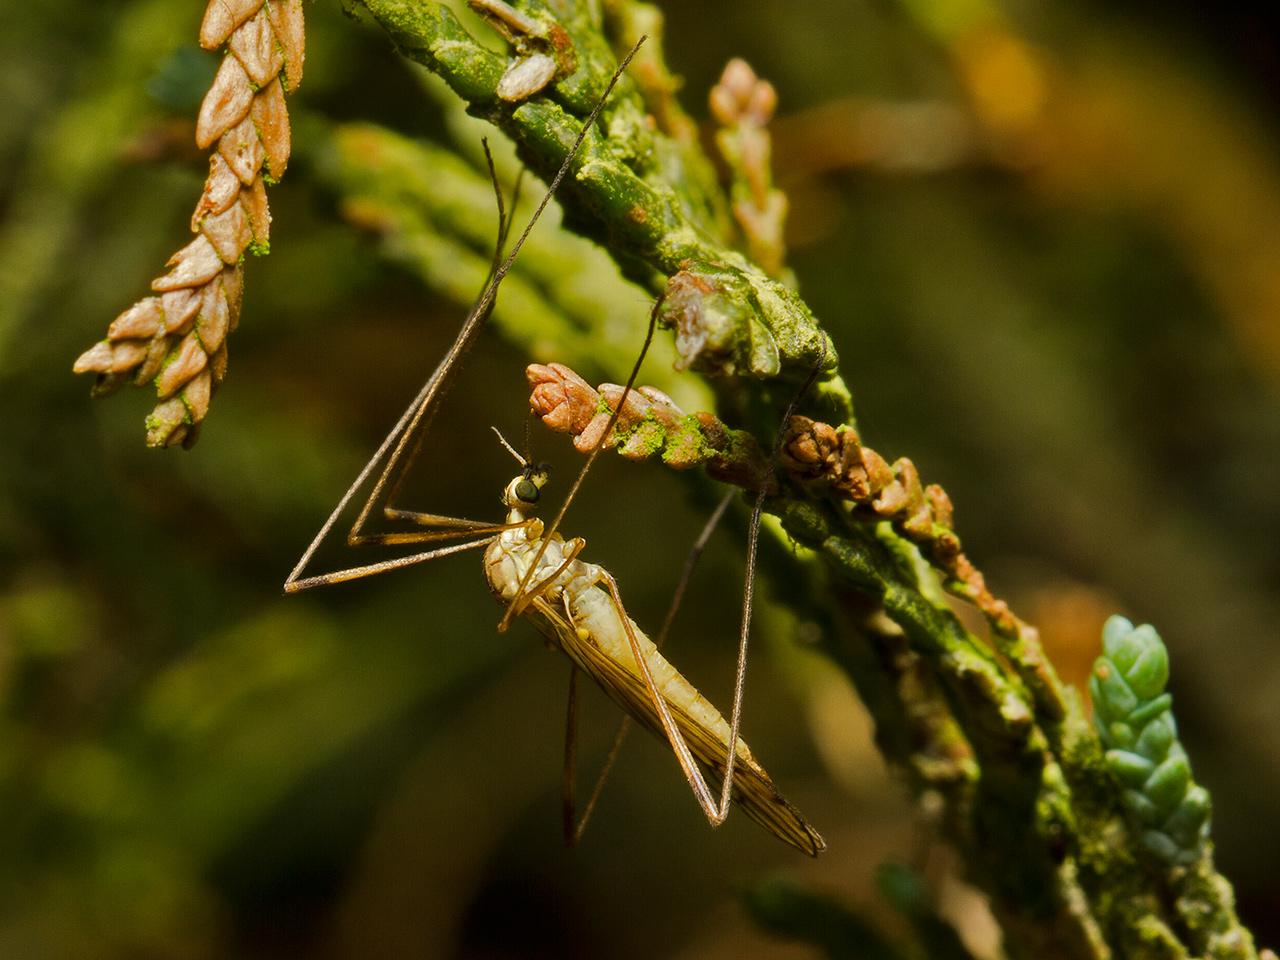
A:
(176, 339)
(650, 424)
(814, 453)
(1036, 814)
(835, 458)
(743, 104)
(1134, 718)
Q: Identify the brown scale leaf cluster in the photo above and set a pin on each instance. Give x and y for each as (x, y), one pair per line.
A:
(816, 453)
(176, 338)
(648, 424)
(835, 457)
(743, 104)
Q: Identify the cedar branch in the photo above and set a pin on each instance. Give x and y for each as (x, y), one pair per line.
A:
(176, 339)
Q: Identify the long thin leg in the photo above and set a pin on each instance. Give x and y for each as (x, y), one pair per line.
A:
(715, 812)
(625, 725)
(573, 827)
(424, 403)
(749, 591)
(422, 519)
(424, 395)
(591, 458)
(697, 783)
(569, 785)
(744, 637)
(412, 424)
(427, 536)
(298, 584)
(690, 562)
(460, 527)
(405, 463)
(522, 600)
(606, 769)
(398, 437)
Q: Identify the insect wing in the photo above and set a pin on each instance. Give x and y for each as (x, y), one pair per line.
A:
(753, 788)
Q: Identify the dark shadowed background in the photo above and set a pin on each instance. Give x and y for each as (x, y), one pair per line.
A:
(1046, 239)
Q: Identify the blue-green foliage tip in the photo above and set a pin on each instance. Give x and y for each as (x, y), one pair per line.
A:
(1134, 717)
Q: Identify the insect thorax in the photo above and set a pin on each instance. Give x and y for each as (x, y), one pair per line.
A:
(508, 559)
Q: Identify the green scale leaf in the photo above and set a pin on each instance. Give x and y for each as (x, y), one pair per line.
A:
(1134, 717)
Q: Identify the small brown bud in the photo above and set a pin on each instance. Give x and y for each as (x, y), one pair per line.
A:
(214, 318)
(940, 506)
(194, 265)
(242, 149)
(560, 398)
(143, 320)
(226, 103)
(286, 21)
(526, 77)
(879, 474)
(255, 46)
(166, 425)
(197, 394)
(660, 406)
(271, 120)
(221, 190)
(223, 16)
(228, 232)
(179, 307)
(188, 360)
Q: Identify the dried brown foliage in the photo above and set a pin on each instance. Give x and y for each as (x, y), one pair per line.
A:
(176, 338)
(819, 455)
(743, 104)
(649, 424)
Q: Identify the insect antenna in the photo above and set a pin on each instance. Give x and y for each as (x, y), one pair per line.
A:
(522, 460)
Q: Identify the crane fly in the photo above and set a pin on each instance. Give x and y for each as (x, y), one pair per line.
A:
(575, 605)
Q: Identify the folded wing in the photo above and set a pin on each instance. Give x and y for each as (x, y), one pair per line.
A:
(753, 789)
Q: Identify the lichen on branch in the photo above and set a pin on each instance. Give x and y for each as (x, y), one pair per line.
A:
(650, 424)
(814, 454)
(620, 192)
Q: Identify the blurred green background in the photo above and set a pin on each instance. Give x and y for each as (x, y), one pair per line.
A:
(1046, 238)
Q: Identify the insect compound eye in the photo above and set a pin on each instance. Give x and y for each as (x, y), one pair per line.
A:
(527, 491)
